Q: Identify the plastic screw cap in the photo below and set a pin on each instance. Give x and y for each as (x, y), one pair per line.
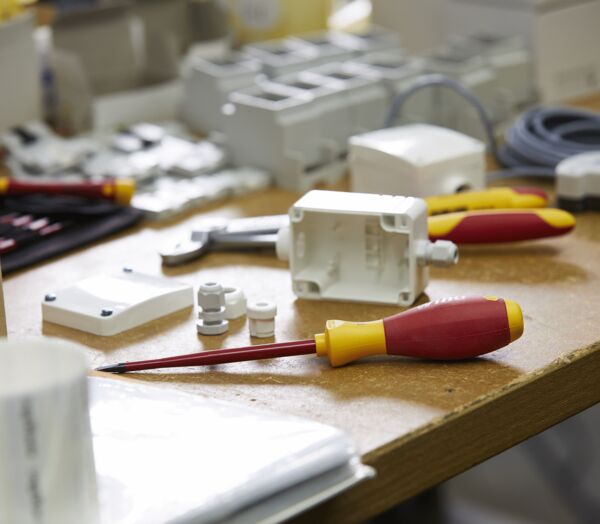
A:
(235, 303)
(261, 316)
(262, 310)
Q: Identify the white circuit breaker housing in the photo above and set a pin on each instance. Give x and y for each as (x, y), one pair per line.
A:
(474, 71)
(362, 248)
(511, 61)
(396, 71)
(416, 160)
(327, 46)
(366, 98)
(337, 122)
(207, 86)
(375, 39)
(280, 57)
(278, 127)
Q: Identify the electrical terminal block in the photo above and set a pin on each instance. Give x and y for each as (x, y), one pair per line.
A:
(168, 196)
(277, 127)
(327, 45)
(36, 151)
(374, 39)
(397, 71)
(366, 98)
(280, 57)
(475, 72)
(207, 85)
(509, 57)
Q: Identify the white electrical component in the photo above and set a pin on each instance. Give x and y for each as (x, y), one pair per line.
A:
(235, 303)
(472, 70)
(416, 160)
(366, 98)
(207, 85)
(396, 71)
(280, 57)
(362, 247)
(578, 182)
(109, 304)
(375, 39)
(335, 123)
(40, 152)
(261, 318)
(147, 150)
(277, 127)
(327, 45)
(562, 35)
(167, 196)
(511, 60)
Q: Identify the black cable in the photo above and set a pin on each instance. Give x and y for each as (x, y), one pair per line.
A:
(534, 144)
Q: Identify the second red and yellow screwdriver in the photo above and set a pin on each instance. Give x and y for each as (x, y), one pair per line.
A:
(120, 190)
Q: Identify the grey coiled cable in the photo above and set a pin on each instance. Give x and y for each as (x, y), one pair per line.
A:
(534, 144)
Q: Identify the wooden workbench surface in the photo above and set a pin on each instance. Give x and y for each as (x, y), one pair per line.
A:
(417, 422)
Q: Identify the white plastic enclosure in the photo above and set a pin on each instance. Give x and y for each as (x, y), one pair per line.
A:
(416, 160)
(359, 247)
(109, 304)
(278, 128)
(474, 71)
(578, 182)
(397, 71)
(207, 86)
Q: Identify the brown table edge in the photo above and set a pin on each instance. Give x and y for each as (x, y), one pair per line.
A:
(467, 436)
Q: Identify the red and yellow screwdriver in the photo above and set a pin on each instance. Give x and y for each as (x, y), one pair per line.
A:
(448, 329)
(495, 215)
(119, 190)
(499, 225)
(491, 198)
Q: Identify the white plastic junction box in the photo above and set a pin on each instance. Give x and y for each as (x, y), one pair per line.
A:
(362, 247)
(416, 160)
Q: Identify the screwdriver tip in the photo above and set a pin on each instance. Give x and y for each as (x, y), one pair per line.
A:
(113, 368)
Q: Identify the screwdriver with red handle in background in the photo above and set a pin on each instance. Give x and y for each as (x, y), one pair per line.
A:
(119, 190)
(447, 329)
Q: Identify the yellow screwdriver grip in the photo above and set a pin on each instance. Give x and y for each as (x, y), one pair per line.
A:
(493, 198)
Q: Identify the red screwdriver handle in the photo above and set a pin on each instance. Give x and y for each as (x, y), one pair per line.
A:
(455, 328)
(497, 226)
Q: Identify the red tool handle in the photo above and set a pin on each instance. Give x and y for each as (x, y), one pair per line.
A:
(454, 328)
(120, 190)
(497, 226)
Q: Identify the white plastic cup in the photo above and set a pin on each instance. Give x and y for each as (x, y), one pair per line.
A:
(47, 472)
